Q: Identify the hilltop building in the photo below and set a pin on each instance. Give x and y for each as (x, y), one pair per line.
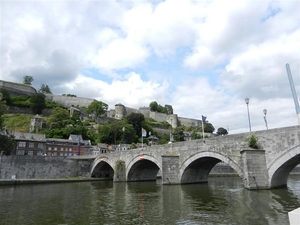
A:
(74, 103)
(120, 111)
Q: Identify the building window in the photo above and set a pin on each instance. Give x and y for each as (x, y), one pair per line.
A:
(31, 145)
(30, 152)
(22, 144)
(49, 148)
(55, 148)
(61, 148)
(54, 153)
(70, 149)
(41, 145)
(39, 153)
(20, 152)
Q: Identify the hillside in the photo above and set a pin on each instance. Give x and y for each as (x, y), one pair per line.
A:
(17, 122)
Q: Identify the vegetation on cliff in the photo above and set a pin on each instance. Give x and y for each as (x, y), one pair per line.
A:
(127, 130)
(17, 122)
(6, 139)
(36, 102)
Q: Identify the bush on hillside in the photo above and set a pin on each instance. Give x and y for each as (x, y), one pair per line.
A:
(21, 101)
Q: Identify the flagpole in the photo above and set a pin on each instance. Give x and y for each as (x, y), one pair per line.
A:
(203, 119)
(203, 131)
(142, 140)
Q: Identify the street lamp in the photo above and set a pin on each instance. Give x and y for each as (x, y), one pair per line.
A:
(265, 118)
(78, 145)
(247, 103)
(123, 129)
(171, 139)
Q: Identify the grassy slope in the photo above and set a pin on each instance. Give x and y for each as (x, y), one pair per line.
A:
(17, 122)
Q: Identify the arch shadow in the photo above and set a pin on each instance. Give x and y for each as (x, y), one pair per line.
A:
(198, 166)
(143, 168)
(280, 168)
(102, 169)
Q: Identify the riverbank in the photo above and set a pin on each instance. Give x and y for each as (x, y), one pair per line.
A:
(46, 181)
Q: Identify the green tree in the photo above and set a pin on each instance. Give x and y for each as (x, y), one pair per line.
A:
(178, 134)
(27, 80)
(113, 133)
(98, 108)
(196, 135)
(37, 103)
(161, 109)
(163, 138)
(3, 110)
(153, 106)
(6, 139)
(137, 120)
(222, 131)
(169, 109)
(59, 118)
(5, 96)
(209, 128)
(45, 89)
(7, 143)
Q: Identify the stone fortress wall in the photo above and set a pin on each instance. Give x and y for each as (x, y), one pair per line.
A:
(118, 113)
(16, 88)
(68, 101)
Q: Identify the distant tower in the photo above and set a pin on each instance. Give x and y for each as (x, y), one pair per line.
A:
(120, 111)
(36, 123)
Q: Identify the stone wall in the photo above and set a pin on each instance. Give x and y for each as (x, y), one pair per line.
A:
(17, 88)
(42, 167)
(160, 117)
(189, 122)
(68, 101)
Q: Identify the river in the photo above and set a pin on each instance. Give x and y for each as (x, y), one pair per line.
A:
(222, 200)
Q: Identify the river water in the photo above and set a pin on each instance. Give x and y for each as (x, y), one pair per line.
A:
(222, 200)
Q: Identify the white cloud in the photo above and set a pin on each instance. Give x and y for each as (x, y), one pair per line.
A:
(203, 57)
(121, 54)
(263, 66)
(132, 91)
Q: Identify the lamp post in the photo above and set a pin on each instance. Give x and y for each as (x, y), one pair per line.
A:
(123, 129)
(247, 103)
(171, 138)
(265, 118)
(78, 145)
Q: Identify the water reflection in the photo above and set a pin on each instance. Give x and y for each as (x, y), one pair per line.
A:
(220, 201)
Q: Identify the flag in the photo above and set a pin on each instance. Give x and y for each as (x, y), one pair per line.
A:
(203, 119)
(144, 132)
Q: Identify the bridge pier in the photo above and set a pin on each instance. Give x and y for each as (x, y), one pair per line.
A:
(255, 169)
(120, 171)
(170, 169)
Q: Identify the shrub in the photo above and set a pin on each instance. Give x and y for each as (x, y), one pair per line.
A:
(252, 141)
(21, 101)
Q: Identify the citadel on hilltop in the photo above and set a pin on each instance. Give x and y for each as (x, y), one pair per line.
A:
(118, 113)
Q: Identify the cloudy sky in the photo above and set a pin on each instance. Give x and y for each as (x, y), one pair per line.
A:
(201, 57)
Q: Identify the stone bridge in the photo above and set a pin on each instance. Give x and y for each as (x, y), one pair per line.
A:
(191, 161)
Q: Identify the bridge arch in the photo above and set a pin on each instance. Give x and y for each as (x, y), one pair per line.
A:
(196, 168)
(143, 167)
(101, 168)
(280, 168)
